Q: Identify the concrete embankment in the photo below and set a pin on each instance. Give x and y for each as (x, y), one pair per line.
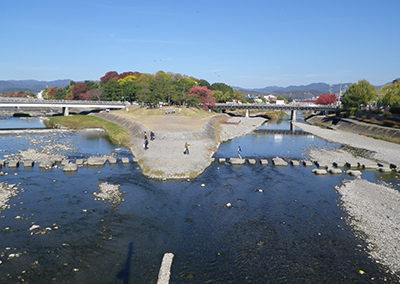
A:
(355, 126)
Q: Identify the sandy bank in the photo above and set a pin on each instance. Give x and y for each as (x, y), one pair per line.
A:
(164, 158)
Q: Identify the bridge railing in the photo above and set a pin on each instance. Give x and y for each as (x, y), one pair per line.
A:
(83, 102)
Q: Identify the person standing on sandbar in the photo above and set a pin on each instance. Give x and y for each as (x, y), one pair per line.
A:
(186, 148)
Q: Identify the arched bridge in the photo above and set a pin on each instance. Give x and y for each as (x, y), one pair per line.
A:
(289, 107)
(64, 104)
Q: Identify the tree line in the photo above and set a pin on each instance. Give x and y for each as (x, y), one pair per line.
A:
(171, 88)
(364, 95)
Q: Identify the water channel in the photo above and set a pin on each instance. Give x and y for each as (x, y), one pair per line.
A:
(294, 231)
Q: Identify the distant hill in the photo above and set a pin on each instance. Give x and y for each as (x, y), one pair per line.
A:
(321, 87)
(298, 92)
(34, 86)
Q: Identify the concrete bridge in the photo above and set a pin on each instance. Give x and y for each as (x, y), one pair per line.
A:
(289, 107)
(64, 104)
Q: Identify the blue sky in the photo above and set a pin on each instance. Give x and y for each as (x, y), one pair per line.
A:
(251, 44)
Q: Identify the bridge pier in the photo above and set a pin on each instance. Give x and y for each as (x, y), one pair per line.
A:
(65, 111)
(247, 113)
(293, 115)
(292, 127)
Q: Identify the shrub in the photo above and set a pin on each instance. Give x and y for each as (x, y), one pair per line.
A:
(389, 123)
(395, 109)
(353, 111)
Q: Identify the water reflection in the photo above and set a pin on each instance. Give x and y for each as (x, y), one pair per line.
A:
(21, 123)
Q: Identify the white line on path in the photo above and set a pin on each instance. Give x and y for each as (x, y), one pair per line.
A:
(165, 270)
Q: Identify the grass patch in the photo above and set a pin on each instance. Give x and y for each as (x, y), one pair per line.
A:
(193, 174)
(115, 132)
(137, 111)
(158, 173)
(145, 169)
(387, 139)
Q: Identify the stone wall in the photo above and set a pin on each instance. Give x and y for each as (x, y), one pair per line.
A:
(355, 126)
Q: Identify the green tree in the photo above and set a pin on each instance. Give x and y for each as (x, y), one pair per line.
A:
(112, 91)
(92, 85)
(204, 83)
(59, 94)
(392, 94)
(129, 91)
(358, 94)
(221, 87)
(219, 97)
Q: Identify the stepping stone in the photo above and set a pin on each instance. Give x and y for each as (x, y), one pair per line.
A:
(264, 162)
(321, 165)
(338, 164)
(136, 160)
(1, 163)
(112, 160)
(27, 164)
(352, 165)
(95, 161)
(279, 162)
(252, 161)
(237, 161)
(319, 171)
(46, 164)
(221, 160)
(307, 163)
(125, 160)
(295, 163)
(212, 160)
(13, 164)
(335, 171)
(385, 169)
(70, 167)
(369, 166)
(64, 162)
(354, 173)
(79, 162)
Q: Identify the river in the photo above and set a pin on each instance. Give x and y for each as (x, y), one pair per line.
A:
(292, 231)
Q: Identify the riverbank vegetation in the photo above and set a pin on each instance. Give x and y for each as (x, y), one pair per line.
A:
(190, 112)
(116, 133)
(147, 89)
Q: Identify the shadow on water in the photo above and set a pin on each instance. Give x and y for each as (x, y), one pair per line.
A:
(124, 273)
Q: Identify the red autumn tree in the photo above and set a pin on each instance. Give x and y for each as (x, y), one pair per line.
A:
(78, 90)
(91, 95)
(326, 99)
(202, 95)
(110, 75)
(52, 93)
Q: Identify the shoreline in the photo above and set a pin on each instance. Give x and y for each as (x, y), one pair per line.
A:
(373, 209)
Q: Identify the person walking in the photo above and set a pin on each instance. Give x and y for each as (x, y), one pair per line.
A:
(146, 143)
(152, 136)
(145, 135)
(239, 152)
(186, 148)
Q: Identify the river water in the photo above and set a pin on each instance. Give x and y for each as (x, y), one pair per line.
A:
(292, 232)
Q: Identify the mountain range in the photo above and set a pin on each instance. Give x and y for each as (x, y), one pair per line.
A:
(34, 86)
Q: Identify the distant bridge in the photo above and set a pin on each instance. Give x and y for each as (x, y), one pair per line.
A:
(64, 104)
(289, 107)
(282, 132)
